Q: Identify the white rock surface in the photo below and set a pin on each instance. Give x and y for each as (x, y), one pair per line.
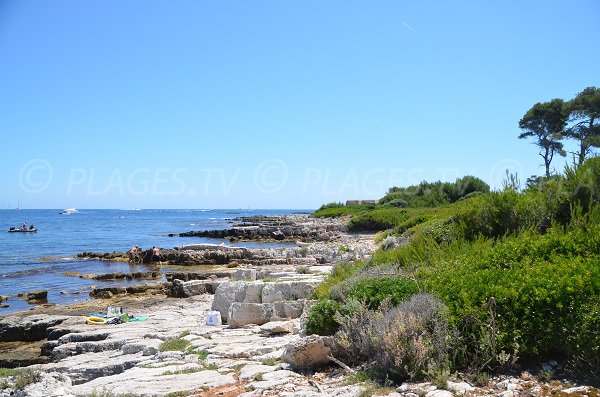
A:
(308, 352)
(439, 393)
(241, 313)
(288, 290)
(278, 327)
(238, 291)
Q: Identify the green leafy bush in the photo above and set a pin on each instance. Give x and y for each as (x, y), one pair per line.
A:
(331, 205)
(427, 194)
(398, 203)
(375, 290)
(540, 284)
(321, 318)
(334, 212)
(378, 219)
(340, 272)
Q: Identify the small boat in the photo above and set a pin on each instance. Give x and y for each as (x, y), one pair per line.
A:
(19, 230)
(68, 211)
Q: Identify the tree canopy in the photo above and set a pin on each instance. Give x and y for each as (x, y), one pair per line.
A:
(584, 116)
(545, 122)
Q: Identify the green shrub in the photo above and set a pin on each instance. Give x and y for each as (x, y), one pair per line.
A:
(5, 372)
(177, 344)
(340, 272)
(583, 184)
(331, 205)
(333, 212)
(378, 219)
(540, 283)
(427, 194)
(406, 342)
(25, 377)
(375, 290)
(398, 203)
(321, 318)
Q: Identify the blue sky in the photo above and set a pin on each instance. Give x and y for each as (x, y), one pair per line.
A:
(274, 104)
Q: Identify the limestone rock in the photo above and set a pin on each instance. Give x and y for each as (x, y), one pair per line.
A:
(439, 393)
(239, 291)
(306, 353)
(50, 385)
(460, 388)
(31, 328)
(271, 380)
(185, 289)
(245, 274)
(249, 372)
(107, 292)
(278, 327)
(37, 296)
(287, 310)
(241, 313)
(288, 290)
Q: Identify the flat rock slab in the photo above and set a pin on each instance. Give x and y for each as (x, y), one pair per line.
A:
(151, 382)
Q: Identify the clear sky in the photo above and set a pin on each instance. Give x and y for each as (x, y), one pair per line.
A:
(275, 104)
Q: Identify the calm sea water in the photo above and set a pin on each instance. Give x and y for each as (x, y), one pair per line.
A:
(30, 261)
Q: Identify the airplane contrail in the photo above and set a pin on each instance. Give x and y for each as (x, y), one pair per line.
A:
(407, 26)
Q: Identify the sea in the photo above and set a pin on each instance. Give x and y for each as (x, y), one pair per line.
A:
(39, 261)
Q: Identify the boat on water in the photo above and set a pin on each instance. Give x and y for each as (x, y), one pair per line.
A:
(22, 230)
(68, 211)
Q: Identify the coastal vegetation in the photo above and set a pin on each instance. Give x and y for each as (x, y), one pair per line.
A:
(476, 280)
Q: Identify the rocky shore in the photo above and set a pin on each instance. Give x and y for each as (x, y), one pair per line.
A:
(261, 295)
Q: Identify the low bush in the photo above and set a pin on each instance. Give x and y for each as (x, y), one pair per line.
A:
(339, 273)
(321, 318)
(378, 219)
(5, 372)
(331, 205)
(427, 194)
(25, 377)
(334, 212)
(398, 203)
(389, 243)
(541, 284)
(177, 344)
(405, 342)
(374, 290)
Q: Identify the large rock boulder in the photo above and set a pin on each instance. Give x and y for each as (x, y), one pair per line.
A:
(277, 327)
(245, 274)
(287, 310)
(37, 296)
(307, 353)
(241, 313)
(107, 292)
(239, 291)
(185, 289)
(28, 329)
(288, 290)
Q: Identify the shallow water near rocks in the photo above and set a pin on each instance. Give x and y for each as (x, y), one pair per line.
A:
(31, 261)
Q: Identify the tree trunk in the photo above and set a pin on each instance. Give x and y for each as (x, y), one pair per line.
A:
(583, 148)
(547, 160)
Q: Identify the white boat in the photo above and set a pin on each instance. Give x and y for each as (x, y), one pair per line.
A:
(68, 211)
